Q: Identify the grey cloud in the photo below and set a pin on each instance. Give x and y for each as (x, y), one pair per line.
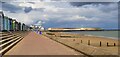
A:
(32, 2)
(0, 5)
(109, 7)
(27, 9)
(91, 0)
(39, 9)
(9, 7)
(56, 0)
(78, 4)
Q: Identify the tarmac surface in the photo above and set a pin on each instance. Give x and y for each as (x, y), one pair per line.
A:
(36, 44)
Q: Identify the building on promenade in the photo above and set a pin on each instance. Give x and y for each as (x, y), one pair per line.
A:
(10, 24)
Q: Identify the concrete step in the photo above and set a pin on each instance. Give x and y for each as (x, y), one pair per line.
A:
(1, 32)
(3, 40)
(9, 42)
(8, 47)
(9, 39)
(7, 36)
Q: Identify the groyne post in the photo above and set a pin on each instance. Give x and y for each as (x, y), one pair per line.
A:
(114, 44)
(107, 44)
(88, 42)
(100, 44)
(81, 41)
(73, 39)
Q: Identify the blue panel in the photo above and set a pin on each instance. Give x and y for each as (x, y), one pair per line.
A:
(5, 25)
(8, 24)
(10, 20)
(1, 23)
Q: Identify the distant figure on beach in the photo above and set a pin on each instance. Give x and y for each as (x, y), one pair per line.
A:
(37, 31)
(40, 32)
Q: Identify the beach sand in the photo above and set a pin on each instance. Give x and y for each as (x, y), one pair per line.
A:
(77, 40)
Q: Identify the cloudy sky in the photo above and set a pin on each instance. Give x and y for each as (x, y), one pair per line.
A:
(63, 13)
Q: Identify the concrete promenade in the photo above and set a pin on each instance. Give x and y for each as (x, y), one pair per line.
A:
(36, 44)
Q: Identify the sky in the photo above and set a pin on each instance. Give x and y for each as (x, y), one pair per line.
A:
(63, 13)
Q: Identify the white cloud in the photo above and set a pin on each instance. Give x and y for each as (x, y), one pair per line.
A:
(75, 17)
(25, 5)
(20, 17)
(37, 5)
(39, 23)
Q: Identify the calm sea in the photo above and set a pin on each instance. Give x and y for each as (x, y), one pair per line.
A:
(108, 34)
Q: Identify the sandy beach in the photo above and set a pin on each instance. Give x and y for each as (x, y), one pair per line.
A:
(87, 44)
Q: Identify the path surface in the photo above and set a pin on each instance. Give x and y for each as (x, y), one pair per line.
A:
(35, 44)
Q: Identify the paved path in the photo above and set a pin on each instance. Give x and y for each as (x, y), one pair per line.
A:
(35, 44)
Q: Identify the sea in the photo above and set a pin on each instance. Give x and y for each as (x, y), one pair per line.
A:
(106, 34)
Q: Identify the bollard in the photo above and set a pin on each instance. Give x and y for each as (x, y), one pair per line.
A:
(114, 44)
(107, 44)
(100, 44)
(81, 41)
(88, 42)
